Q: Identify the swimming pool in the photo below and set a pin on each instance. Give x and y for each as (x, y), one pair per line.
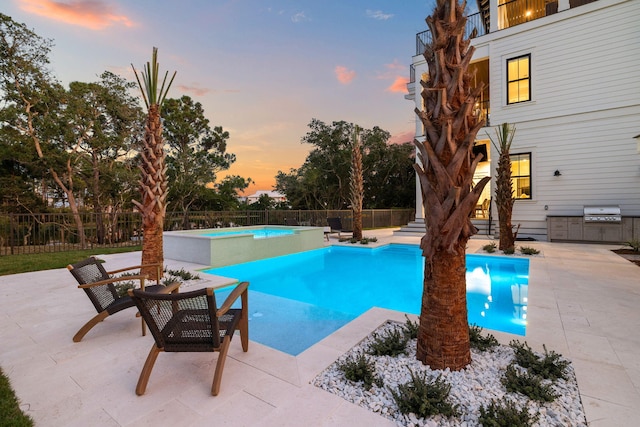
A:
(296, 300)
(217, 247)
(257, 233)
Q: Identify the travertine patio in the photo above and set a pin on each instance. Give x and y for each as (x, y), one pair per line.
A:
(583, 303)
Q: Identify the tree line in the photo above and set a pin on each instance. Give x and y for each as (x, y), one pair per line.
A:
(77, 148)
(322, 182)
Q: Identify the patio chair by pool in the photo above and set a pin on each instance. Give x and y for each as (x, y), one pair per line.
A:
(100, 286)
(336, 226)
(191, 321)
(291, 222)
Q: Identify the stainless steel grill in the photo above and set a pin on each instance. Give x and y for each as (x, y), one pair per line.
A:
(602, 214)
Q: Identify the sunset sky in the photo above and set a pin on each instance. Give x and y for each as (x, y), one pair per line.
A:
(261, 68)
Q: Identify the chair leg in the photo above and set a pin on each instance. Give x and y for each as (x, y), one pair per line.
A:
(90, 324)
(244, 322)
(146, 370)
(217, 377)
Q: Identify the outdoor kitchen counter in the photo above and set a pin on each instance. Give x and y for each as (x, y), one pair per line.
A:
(573, 228)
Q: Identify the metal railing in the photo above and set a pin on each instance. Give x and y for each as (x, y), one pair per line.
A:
(57, 232)
(474, 22)
(516, 12)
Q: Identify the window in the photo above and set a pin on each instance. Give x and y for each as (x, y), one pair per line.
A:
(519, 79)
(521, 175)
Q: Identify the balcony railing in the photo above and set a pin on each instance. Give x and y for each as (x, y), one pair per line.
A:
(517, 12)
(474, 22)
(510, 13)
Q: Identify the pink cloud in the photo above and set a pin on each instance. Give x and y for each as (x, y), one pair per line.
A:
(391, 70)
(344, 75)
(92, 14)
(399, 85)
(197, 91)
(402, 137)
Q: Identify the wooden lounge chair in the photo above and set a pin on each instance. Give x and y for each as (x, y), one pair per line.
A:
(99, 285)
(335, 224)
(191, 321)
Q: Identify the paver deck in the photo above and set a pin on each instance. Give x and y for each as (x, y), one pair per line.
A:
(584, 302)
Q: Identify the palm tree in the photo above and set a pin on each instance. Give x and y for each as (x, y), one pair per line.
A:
(153, 182)
(445, 172)
(356, 184)
(504, 188)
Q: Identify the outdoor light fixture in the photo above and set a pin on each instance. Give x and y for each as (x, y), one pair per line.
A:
(557, 173)
(637, 138)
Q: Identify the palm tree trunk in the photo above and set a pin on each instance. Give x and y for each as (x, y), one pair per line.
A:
(443, 344)
(153, 183)
(154, 193)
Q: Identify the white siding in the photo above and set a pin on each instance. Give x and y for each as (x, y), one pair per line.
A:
(589, 62)
(584, 113)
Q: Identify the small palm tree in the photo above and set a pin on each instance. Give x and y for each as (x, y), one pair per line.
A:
(356, 184)
(504, 188)
(153, 182)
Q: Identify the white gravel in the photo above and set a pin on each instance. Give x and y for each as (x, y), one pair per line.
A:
(476, 385)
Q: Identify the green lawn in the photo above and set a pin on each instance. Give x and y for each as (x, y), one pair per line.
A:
(10, 413)
(12, 264)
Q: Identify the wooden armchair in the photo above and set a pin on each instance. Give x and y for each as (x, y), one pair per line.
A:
(191, 321)
(99, 285)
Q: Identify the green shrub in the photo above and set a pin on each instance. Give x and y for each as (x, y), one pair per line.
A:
(123, 287)
(410, 328)
(491, 247)
(183, 274)
(549, 366)
(359, 369)
(424, 398)
(506, 414)
(527, 384)
(634, 244)
(480, 342)
(526, 250)
(509, 251)
(391, 343)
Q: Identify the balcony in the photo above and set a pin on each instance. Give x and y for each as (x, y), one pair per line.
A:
(474, 22)
(510, 13)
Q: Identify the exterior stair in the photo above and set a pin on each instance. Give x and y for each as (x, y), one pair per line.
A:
(416, 228)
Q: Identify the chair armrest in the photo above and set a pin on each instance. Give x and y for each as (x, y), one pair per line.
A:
(237, 291)
(170, 288)
(113, 280)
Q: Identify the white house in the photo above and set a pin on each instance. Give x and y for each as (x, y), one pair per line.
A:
(566, 73)
(278, 197)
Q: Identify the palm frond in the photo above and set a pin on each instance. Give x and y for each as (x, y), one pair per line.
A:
(149, 85)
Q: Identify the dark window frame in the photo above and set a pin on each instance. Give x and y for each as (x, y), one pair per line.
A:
(516, 58)
(530, 176)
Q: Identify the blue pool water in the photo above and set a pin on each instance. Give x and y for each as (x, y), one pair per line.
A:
(258, 233)
(297, 300)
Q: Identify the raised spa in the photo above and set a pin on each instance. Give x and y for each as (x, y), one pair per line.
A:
(218, 247)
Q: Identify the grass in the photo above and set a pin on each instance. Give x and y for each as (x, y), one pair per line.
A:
(24, 263)
(10, 413)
